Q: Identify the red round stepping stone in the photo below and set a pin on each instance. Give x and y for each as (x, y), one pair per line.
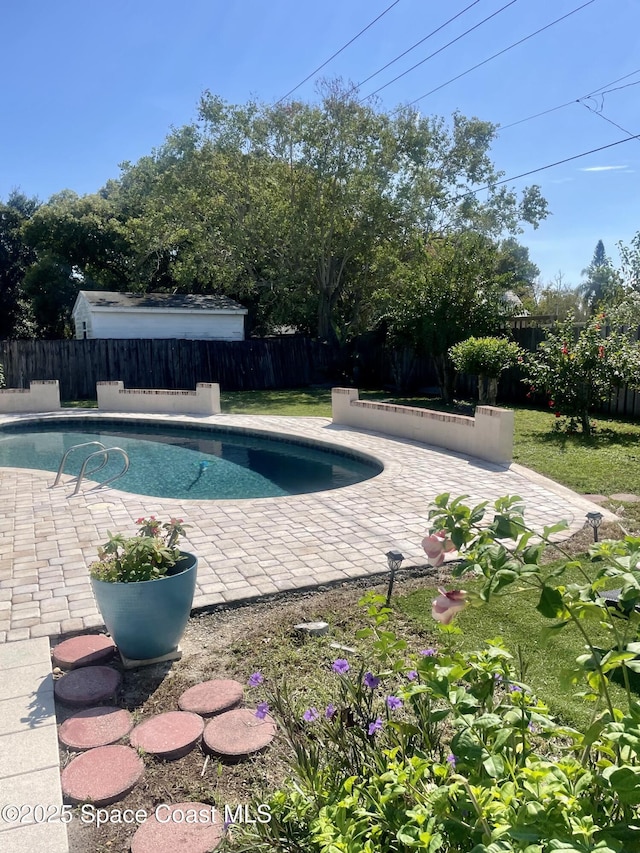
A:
(170, 735)
(87, 686)
(95, 727)
(102, 776)
(181, 828)
(212, 697)
(87, 650)
(239, 732)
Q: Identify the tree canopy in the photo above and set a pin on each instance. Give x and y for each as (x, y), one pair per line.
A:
(302, 211)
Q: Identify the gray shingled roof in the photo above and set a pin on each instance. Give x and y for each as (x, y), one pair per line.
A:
(112, 299)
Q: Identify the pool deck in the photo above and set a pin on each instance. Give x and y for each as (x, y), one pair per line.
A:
(246, 548)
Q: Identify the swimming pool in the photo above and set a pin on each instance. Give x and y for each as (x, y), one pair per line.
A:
(188, 462)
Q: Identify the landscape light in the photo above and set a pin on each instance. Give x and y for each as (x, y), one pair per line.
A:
(394, 561)
(595, 520)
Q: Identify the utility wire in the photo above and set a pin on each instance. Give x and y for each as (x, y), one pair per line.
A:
(500, 52)
(617, 80)
(333, 56)
(603, 90)
(604, 117)
(413, 46)
(444, 47)
(548, 166)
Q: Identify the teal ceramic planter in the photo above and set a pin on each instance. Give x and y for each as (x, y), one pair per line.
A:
(147, 618)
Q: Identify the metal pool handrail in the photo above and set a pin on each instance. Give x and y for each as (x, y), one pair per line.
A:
(76, 447)
(105, 451)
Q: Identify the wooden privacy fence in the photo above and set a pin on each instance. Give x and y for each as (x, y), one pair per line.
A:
(285, 362)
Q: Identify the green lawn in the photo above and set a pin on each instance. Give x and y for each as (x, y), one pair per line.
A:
(514, 618)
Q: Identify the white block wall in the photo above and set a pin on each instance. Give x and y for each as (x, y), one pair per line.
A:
(114, 397)
(41, 396)
(489, 435)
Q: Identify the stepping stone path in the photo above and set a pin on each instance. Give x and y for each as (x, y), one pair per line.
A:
(89, 685)
(102, 776)
(240, 732)
(212, 697)
(87, 650)
(625, 497)
(178, 836)
(95, 727)
(105, 772)
(170, 735)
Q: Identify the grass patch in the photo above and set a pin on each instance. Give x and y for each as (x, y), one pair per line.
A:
(514, 618)
(604, 463)
(79, 404)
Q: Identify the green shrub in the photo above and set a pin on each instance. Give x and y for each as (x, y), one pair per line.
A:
(485, 358)
(579, 370)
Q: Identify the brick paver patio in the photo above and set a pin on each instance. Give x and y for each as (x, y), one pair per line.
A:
(246, 548)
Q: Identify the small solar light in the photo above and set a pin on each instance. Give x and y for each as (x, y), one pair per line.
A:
(595, 520)
(394, 561)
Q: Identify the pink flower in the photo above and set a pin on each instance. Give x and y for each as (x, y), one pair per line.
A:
(447, 604)
(436, 545)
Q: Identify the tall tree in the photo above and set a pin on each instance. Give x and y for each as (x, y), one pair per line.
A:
(85, 233)
(602, 282)
(451, 292)
(15, 258)
(294, 204)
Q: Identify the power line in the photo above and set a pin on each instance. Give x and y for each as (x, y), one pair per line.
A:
(548, 166)
(602, 90)
(604, 117)
(333, 56)
(413, 46)
(500, 52)
(617, 80)
(444, 47)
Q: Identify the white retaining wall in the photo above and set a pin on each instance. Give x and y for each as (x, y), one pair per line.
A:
(114, 397)
(43, 395)
(489, 435)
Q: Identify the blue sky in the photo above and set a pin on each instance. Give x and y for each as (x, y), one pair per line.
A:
(89, 85)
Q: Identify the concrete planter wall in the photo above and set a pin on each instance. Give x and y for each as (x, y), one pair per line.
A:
(488, 435)
(147, 618)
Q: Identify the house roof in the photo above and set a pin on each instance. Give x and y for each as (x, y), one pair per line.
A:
(108, 300)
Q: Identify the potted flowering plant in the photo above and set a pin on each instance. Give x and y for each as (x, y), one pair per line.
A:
(144, 587)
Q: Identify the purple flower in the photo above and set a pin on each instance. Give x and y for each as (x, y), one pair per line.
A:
(330, 711)
(412, 675)
(452, 760)
(310, 715)
(428, 653)
(375, 726)
(513, 688)
(262, 710)
(255, 679)
(341, 666)
(393, 703)
(497, 677)
(371, 681)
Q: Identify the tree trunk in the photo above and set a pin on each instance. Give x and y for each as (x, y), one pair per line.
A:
(482, 389)
(492, 390)
(446, 374)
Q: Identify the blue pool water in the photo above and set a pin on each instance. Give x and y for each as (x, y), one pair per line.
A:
(196, 464)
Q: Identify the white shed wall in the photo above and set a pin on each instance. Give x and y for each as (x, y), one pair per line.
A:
(189, 325)
(81, 315)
